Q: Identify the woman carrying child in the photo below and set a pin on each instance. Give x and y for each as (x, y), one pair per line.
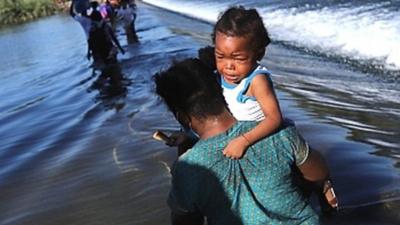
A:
(240, 40)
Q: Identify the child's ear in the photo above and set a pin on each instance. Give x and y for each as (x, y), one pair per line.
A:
(260, 54)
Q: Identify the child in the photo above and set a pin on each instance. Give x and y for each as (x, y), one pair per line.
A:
(240, 40)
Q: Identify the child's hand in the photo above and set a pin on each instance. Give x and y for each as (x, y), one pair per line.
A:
(236, 148)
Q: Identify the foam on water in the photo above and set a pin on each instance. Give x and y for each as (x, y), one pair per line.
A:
(359, 126)
(363, 33)
(203, 11)
(357, 33)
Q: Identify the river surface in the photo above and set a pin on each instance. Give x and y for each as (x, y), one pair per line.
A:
(76, 146)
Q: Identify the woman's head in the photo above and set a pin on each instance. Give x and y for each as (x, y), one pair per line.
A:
(190, 87)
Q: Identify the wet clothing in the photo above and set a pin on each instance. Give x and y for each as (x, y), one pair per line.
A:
(127, 15)
(257, 189)
(244, 108)
(101, 44)
(85, 22)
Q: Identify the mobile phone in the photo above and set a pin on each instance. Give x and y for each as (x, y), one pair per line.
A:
(160, 136)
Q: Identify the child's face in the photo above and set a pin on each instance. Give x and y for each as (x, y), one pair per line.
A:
(234, 57)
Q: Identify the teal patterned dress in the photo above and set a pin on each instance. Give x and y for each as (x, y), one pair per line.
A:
(257, 189)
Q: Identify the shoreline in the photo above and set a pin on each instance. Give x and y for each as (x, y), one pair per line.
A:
(24, 12)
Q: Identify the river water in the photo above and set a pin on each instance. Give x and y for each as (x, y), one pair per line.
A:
(76, 148)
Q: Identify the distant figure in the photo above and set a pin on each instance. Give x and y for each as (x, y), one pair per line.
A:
(80, 6)
(108, 13)
(259, 188)
(81, 17)
(102, 41)
(115, 3)
(127, 14)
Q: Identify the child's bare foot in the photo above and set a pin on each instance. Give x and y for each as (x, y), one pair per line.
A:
(328, 200)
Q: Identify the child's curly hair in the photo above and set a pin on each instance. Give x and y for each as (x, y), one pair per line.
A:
(240, 22)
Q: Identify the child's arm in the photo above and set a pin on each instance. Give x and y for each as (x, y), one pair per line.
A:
(263, 91)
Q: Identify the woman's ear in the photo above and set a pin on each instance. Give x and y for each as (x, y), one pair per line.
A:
(184, 119)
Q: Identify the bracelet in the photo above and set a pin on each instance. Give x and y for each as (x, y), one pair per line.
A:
(245, 138)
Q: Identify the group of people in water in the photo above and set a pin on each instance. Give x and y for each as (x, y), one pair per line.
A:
(247, 164)
(99, 20)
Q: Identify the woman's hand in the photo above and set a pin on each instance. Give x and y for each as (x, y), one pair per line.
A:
(177, 138)
(182, 140)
